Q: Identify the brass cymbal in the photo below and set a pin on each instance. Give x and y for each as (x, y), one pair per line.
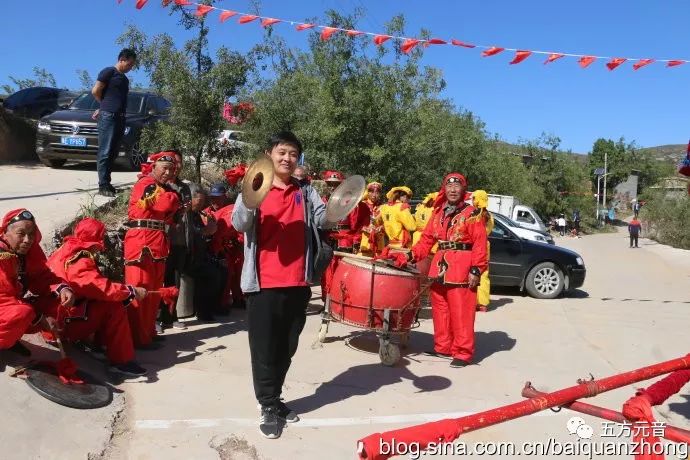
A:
(345, 198)
(257, 182)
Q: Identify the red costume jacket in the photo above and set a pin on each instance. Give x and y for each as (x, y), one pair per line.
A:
(452, 266)
(150, 201)
(75, 262)
(349, 230)
(226, 241)
(19, 274)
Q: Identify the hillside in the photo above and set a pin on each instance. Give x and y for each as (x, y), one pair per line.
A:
(671, 153)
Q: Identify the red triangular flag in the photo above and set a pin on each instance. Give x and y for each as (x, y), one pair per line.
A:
(520, 55)
(165, 3)
(586, 61)
(269, 22)
(247, 18)
(354, 33)
(227, 14)
(641, 63)
(436, 41)
(492, 51)
(615, 62)
(553, 56)
(408, 45)
(140, 4)
(675, 63)
(202, 10)
(327, 32)
(182, 2)
(305, 26)
(380, 39)
(463, 44)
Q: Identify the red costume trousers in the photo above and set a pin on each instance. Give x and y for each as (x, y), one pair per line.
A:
(108, 320)
(149, 274)
(453, 309)
(15, 319)
(233, 292)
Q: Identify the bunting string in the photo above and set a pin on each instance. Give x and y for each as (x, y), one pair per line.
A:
(408, 44)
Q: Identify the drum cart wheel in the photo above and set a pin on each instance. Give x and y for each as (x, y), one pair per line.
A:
(389, 353)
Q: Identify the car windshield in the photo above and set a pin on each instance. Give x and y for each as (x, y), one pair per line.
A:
(86, 101)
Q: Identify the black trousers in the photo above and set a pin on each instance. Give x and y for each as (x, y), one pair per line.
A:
(276, 319)
(633, 240)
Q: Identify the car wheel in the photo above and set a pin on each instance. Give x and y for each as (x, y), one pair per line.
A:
(545, 281)
(53, 162)
(135, 157)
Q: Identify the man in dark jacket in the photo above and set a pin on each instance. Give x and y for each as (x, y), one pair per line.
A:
(634, 229)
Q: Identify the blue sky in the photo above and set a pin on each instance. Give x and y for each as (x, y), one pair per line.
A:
(521, 101)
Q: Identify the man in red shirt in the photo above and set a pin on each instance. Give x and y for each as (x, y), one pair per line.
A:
(278, 269)
(456, 268)
(152, 208)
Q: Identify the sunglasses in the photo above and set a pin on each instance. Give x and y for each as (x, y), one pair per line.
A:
(24, 215)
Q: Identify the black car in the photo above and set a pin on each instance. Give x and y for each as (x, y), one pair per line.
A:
(544, 270)
(37, 102)
(72, 134)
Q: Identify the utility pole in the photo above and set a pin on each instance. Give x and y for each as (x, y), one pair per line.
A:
(598, 192)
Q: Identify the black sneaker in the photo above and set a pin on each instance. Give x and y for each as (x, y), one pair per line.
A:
(459, 363)
(130, 369)
(112, 189)
(160, 328)
(105, 191)
(19, 349)
(270, 425)
(437, 354)
(286, 413)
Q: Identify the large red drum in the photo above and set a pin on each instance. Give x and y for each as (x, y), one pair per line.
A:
(354, 303)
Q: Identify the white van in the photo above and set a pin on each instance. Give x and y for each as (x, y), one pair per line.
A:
(510, 207)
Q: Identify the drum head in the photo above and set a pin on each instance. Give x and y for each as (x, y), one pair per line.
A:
(383, 267)
(89, 395)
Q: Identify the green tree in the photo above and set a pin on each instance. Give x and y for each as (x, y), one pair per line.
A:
(41, 77)
(197, 93)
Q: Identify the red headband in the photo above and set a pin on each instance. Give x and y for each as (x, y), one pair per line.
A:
(332, 176)
(168, 157)
(374, 186)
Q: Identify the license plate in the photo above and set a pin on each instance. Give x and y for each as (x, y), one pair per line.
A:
(73, 141)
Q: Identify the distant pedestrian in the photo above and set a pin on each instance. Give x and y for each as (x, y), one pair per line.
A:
(576, 222)
(634, 229)
(561, 222)
(111, 90)
(636, 208)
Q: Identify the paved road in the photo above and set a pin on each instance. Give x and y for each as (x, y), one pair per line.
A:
(53, 195)
(199, 403)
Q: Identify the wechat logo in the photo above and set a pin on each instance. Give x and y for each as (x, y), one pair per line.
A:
(576, 425)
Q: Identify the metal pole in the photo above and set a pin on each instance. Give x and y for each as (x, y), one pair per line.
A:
(606, 172)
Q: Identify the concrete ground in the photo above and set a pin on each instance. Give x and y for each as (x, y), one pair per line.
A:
(34, 427)
(198, 401)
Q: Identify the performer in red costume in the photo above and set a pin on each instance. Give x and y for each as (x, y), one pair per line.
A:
(23, 270)
(101, 303)
(347, 236)
(152, 207)
(456, 269)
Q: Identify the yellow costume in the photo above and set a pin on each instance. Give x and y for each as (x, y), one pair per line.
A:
(422, 215)
(480, 200)
(398, 222)
(376, 224)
